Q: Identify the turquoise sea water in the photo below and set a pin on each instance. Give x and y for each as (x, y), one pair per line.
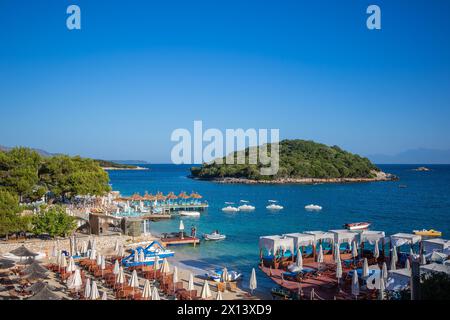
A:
(425, 203)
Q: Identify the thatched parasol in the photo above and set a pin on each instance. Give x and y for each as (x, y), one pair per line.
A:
(38, 286)
(34, 267)
(22, 251)
(34, 275)
(171, 196)
(195, 195)
(149, 197)
(136, 197)
(45, 294)
(160, 196)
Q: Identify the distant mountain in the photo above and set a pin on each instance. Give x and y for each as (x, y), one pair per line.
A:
(41, 152)
(130, 161)
(413, 156)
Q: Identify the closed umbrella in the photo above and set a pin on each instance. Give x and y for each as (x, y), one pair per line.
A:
(253, 283)
(320, 255)
(142, 256)
(394, 254)
(392, 265)
(147, 291)
(365, 270)
(54, 251)
(84, 248)
(116, 267)
(219, 295)
(224, 275)
(181, 226)
(408, 265)
(120, 279)
(99, 260)
(87, 289)
(384, 271)
(165, 267)
(58, 258)
(191, 282)
(354, 251)
(206, 291)
(175, 274)
(155, 294)
(299, 261)
(94, 291)
(116, 247)
(136, 256)
(355, 284)
(94, 244)
(423, 260)
(376, 250)
(103, 264)
(381, 293)
(121, 251)
(75, 281)
(63, 261)
(71, 265)
(104, 296)
(134, 280)
(93, 254)
(339, 271)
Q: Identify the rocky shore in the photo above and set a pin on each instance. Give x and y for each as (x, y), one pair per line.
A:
(380, 176)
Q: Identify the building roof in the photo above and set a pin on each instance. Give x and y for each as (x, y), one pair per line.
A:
(344, 235)
(400, 239)
(321, 235)
(273, 243)
(435, 267)
(301, 239)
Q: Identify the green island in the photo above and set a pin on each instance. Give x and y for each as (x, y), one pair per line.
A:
(300, 161)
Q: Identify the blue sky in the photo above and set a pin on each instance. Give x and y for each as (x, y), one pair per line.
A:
(140, 69)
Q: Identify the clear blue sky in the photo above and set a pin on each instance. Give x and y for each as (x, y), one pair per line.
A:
(139, 69)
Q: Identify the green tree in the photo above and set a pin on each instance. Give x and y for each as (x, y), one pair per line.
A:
(9, 217)
(54, 222)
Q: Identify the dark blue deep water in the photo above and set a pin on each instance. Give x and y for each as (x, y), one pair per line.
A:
(424, 203)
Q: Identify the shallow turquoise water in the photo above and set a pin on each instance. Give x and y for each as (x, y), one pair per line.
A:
(425, 203)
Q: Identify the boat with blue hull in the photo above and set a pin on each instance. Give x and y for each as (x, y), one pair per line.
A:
(146, 256)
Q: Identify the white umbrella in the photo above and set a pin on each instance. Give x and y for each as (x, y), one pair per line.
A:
(116, 267)
(253, 283)
(376, 250)
(71, 267)
(116, 247)
(84, 248)
(219, 295)
(354, 251)
(121, 251)
(365, 270)
(156, 265)
(87, 289)
(392, 265)
(104, 296)
(175, 274)
(165, 266)
(120, 276)
(181, 225)
(299, 261)
(382, 288)
(408, 265)
(191, 282)
(136, 256)
(58, 258)
(99, 260)
(320, 255)
(339, 270)
(147, 291)
(355, 284)
(155, 294)
(93, 254)
(337, 253)
(206, 291)
(94, 291)
(224, 275)
(63, 261)
(142, 256)
(134, 280)
(103, 264)
(423, 260)
(94, 244)
(384, 271)
(54, 251)
(394, 254)
(75, 281)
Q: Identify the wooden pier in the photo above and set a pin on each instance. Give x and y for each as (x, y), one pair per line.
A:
(180, 241)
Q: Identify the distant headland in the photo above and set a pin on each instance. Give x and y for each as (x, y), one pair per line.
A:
(301, 162)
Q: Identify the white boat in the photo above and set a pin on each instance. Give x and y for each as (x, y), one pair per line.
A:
(214, 236)
(313, 207)
(190, 213)
(230, 209)
(357, 226)
(274, 206)
(246, 207)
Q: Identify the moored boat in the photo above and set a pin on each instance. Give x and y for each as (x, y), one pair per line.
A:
(246, 207)
(357, 226)
(428, 233)
(216, 275)
(274, 206)
(313, 207)
(215, 236)
(230, 209)
(190, 213)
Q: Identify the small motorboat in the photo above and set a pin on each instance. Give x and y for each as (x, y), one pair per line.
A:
(230, 209)
(357, 226)
(428, 233)
(246, 207)
(215, 236)
(190, 213)
(313, 207)
(216, 275)
(274, 206)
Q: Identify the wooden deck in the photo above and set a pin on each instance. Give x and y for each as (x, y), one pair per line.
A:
(180, 241)
(325, 285)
